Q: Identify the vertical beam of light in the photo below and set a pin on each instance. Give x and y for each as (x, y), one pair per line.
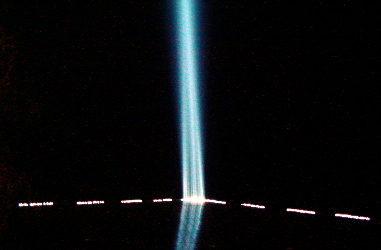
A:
(191, 144)
(190, 223)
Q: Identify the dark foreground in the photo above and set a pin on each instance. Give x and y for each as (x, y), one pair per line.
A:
(154, 226)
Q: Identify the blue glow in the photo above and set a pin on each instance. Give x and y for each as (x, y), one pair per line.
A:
(191, 144)
(190, 223)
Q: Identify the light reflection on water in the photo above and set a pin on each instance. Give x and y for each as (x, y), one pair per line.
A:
(190, 223)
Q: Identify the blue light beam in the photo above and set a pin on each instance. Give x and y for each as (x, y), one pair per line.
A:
(191, 145)
(189, 227)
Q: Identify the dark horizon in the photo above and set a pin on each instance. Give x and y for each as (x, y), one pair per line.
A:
(290, 102)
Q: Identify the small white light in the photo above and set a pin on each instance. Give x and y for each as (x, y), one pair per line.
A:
(300, 211)
(253, 205)
(352, 216)
(23, 204)
(131, 201)
(162, 200)
(35, 204)
(89, 202)
(215, 201)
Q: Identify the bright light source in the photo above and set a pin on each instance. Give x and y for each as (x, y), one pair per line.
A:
(131, 201)
(352, 216)
(253, 205)
(167, 199)
(23, 204)
(196, 200)
(300, 211)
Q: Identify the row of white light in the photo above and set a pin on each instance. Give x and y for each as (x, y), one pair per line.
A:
(352, 216)
(89, 202)
(131, 201)
(162, 200)
(253, 205)
(36, 204)
(300, 211)
(193, 200)
(201, 200)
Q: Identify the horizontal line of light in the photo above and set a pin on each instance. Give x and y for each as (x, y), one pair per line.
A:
(162, 200)
(36, 204)
(131, 201)
(89, 202)
(352, 216)
(193, 200)
(300, 211)
(253, 205)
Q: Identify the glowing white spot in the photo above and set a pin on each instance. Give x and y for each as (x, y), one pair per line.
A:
(35, 204)
(89, 202)
(300, 211)
(215, 201)
(195, 200)
(253, 205)
(162, 200)
(352, 216)
(131, 201)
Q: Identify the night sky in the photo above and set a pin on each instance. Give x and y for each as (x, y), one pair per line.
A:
(290, 101)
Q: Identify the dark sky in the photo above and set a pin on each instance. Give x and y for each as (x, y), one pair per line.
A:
(291, 101)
